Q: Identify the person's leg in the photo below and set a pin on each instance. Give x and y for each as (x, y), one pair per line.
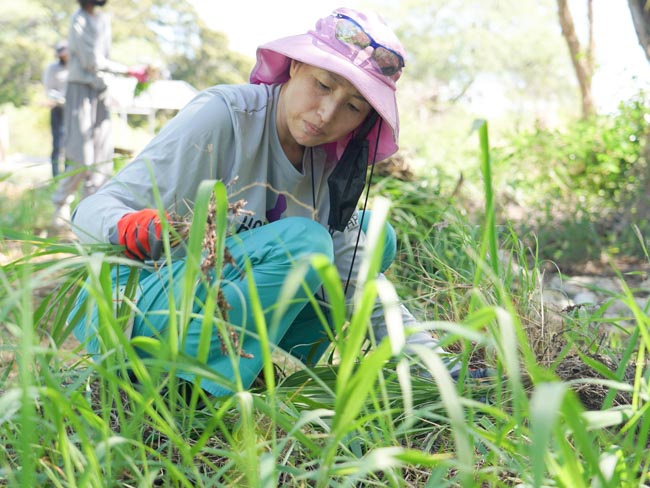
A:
(390, 239)
(65, 192)
(64, 195)
(273, 250)
(307, 339)
(76, 121)
(56, 124)
(100, 164)
(86, 327)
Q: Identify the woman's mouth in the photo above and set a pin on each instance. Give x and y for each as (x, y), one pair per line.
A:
(312, 130)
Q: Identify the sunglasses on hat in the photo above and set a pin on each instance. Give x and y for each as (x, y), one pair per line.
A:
(348, 30)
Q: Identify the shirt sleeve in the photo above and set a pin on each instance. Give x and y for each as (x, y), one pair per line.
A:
(91, 45)
(47, 77)
(182, 155)
(52, 89)
(103, 61)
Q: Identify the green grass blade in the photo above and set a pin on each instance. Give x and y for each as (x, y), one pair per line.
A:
(545, 413)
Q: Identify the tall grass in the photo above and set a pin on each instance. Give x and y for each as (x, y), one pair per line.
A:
(381, 416)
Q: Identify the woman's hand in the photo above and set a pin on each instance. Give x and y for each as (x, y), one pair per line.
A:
(140, 233)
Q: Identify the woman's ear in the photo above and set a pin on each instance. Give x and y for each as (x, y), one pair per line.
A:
(295, 65)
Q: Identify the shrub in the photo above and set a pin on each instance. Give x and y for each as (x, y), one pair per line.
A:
(587, 175)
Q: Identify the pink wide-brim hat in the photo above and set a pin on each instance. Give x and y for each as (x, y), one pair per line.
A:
(321, 48)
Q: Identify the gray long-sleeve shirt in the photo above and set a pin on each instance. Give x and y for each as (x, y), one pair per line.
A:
(55, 78)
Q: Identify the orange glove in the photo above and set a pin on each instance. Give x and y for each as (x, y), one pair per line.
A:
(140, 233)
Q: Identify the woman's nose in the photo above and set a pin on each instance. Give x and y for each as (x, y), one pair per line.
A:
(327, 110)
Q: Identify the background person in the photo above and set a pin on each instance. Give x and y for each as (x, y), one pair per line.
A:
(55, 78)
(89, 142)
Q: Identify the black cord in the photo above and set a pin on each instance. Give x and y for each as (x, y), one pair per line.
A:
(313, 184)
(313, 201)
(365, 205)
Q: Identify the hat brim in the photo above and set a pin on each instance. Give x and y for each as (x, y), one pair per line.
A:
(271, 68)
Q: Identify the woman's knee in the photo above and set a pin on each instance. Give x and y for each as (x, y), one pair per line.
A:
(390, 239)
(306, 236)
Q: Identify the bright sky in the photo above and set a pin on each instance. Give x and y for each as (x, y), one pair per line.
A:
(623, 66)
(249, 23)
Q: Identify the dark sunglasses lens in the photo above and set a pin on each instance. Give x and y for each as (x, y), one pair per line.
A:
(386, 60)
(347, 31)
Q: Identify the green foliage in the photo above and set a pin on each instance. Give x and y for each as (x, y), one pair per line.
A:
(366, 420)
(433, 238)
(23, 215)
(460, 50)
(160, 32)
(21, 67)
(182, 42)
(29, 128)
(568, 241)
(27, 38)
(597, 161)
(581, 185)
(210, 62)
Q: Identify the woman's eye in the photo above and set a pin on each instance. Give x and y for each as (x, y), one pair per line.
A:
(353, 108)
(322, 86)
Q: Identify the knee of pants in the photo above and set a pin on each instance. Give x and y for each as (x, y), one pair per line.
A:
(390, 240)
(307, 236)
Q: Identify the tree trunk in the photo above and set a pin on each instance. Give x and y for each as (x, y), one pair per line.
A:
(4, 135)
(640, 10)
(583, 60)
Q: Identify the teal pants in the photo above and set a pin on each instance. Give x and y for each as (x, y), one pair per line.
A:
(272, 250)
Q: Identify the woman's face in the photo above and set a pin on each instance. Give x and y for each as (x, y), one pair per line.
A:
(317, 107)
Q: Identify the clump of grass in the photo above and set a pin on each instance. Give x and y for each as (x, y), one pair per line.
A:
(210, 261)
(384, 416)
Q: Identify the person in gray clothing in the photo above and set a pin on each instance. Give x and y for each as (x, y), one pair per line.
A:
(89, 141)
(55, 77)
(294, 144)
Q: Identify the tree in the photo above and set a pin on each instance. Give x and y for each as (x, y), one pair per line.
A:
(494, 59)
(583, 59)
(455, 45)
(28, 32)
(21, 66)
(144, 31)
(209, 61)
(640, 10)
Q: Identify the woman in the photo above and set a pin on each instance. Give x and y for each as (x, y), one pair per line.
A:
(280, 144)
